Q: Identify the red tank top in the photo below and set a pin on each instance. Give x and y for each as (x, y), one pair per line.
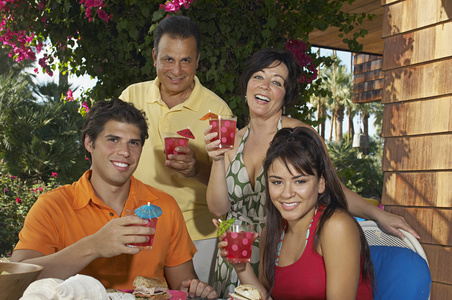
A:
(306, 278)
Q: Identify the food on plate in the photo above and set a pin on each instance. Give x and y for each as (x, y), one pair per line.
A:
(120, 296)
(75, 287)
(151, 288)
(246, 292)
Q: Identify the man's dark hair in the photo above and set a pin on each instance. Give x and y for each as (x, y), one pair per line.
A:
(117, 110)
(177, 27)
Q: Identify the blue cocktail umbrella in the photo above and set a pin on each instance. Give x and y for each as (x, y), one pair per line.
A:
(148, 211)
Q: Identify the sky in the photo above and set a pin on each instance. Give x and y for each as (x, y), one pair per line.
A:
(85, 82)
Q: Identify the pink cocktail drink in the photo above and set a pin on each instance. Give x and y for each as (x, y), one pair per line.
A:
(172, 142)
(240, 240)
(147, 245)
(225, 126)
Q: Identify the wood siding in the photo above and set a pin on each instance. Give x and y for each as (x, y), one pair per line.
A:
(368, 78)
(417, 126)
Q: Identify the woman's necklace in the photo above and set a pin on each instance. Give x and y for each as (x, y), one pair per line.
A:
(283, 233)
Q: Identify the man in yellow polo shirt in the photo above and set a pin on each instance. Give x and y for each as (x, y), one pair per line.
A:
(174, 101)
(83, 227)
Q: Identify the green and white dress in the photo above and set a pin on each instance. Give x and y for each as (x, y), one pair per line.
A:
(247, 205)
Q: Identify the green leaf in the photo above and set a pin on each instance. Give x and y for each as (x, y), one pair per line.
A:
(158, 15)
(266, 33)
(224, 225)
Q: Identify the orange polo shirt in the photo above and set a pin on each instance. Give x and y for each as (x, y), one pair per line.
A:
(65, 215)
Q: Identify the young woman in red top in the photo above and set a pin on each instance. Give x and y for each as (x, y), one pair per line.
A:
(311, 248)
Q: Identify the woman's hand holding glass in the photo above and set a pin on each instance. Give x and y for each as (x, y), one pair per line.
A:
(217, 154)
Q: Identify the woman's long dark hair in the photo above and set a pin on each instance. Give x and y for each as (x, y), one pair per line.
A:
(302, 148)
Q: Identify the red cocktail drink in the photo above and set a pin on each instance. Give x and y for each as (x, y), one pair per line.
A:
(172, 142)
(240, 240)
(150, 223)
(225, 126)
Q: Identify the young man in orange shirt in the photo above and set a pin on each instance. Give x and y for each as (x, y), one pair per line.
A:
(83, 227)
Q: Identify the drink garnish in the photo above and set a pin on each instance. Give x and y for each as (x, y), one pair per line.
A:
(148, 211)
(224, 225)
(186, 133)
(208, 116)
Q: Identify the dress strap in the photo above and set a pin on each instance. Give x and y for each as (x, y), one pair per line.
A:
(279, 126)
(283, 233)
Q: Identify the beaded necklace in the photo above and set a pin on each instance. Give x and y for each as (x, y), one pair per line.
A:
(283, 233)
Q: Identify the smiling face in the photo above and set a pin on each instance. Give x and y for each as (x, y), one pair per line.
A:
(294, 194)
(266, 91)
(176, 61)
(115, 154)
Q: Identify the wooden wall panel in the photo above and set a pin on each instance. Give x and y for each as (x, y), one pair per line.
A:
(418, 117)
(417, 126)
(432, 152)
(368, 79)
(410, 48)
(432, 224)
(438, 258)
(429, 189)
(440, 291)
(404, 16)
(418, 82)
(387, 2)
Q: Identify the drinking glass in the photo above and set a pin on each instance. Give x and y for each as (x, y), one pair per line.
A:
(225, 126)
(172, 141)
(240, 238)
(152, 222)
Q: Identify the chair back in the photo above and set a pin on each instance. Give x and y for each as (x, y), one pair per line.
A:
(401, 266)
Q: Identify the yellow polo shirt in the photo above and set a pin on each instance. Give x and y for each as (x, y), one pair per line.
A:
(189, 193)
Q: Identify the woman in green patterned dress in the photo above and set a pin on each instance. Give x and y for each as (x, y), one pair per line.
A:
(236, 186)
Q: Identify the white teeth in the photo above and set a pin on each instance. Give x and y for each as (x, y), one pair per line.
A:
(262, 98)
(122, 165)
(290, 204)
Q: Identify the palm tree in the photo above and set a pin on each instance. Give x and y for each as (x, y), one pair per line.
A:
(320, 103)
(338, 82)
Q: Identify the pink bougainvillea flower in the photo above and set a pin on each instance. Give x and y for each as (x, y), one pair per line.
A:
(175, 5)
(69, 97)
(42, 5)
(54, 175)
(299, 49)
(95, 4)
(103, 15)
(18, 200)
(85, 106)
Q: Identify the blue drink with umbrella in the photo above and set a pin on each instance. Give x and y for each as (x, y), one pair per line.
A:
(150, 213)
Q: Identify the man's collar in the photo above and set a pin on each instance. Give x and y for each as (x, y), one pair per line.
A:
(192, 103)
(84, 193)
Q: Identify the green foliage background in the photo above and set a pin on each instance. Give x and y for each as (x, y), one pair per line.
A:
(360, 173)
(119, 52)
(41, 137)
(16, 198)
